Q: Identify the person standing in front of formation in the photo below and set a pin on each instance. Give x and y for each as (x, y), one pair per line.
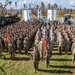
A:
(36, 58)
(67, 45)
(41, 48)
(48, 56)
(73, 50)
(61, 44)
(52, 41)
(12, 48)
(0, 47)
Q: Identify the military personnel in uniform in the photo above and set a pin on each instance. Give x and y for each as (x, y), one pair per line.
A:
(67, 45)
(51, 41)
(11, 48)
(0, 47)
(3, 44)
(26, 44)
(41, 48)
(61, 44)
(15, 43)
(47, 56)
(6, 44)
(36, 58)
(18, 44)
(73, 51)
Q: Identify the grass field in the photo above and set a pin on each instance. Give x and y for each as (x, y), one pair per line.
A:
(23, 65)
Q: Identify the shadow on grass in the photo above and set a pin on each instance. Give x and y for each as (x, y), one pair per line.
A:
(61, 59)
(61, 54)
(3, 70)
(19, 58)
(65, 66)
(55, 49)
(2, 56)
(56, 71)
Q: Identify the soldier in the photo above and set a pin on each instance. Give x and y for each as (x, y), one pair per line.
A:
(3, 44)
(73, 51)
(45, 45)
(11, 48)
(36, 42)
(0, 47)
(6, 44)
(61, 44)
(15, 42)
(67, 45)
(18, 43)
(36, 58)
(52, 41)
(41, 48)
(26, 44)
(39, 34)
(47, 56)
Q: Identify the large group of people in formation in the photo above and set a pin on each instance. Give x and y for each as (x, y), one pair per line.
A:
(21, 35)
(49, 35)
(18, 37)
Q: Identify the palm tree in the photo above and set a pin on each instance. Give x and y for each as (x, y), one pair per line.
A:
(49, 6)
(29, 6)
(10, 4)
(16, 4)
(42, 5)
(24, 5)
(55, 6)
(37, 6)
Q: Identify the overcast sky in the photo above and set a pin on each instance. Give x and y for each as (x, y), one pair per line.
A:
(63, 3)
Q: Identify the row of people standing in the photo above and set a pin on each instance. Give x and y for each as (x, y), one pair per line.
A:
(18, 36)
(49, 34)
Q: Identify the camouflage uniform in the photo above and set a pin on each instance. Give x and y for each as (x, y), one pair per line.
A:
(11, 49)
(61, 44)
(26, 44)
(0, 47)
(52, 41)
(6, 44)
(36, 58)
(73, 52)
(41, 48)
(67, 46)
(48, 52)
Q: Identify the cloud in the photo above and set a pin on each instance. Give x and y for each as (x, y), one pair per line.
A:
(35, 2)
(2, 1)
(72, 2)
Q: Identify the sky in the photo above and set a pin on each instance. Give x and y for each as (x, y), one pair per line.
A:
(62, 3)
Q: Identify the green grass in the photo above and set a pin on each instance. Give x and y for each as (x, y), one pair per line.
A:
(23, 65)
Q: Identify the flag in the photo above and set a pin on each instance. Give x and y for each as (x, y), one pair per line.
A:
(8, 37)
(45, 43)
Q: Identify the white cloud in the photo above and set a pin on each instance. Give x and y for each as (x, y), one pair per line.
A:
(21, 2)
(72, 2)
(2, 1)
